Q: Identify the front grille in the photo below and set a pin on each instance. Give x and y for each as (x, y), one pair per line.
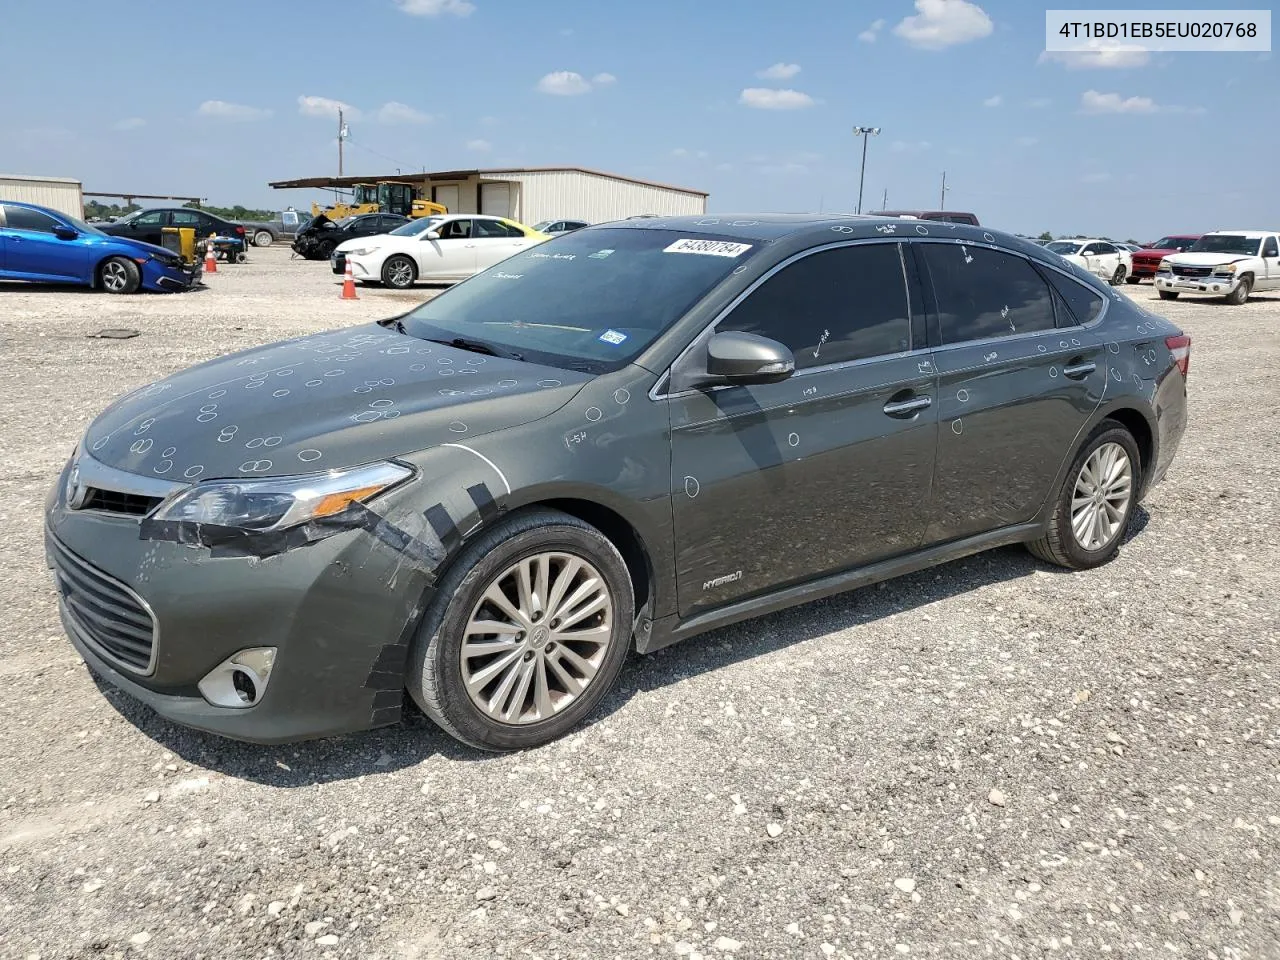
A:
(117, 501)
(108, 615)
(1192, 271)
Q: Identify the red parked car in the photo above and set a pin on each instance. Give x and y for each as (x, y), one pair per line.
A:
(1147, 260)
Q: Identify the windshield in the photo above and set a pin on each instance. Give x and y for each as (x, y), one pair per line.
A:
(1172, 243)
(415, 227)
(589, 300)
(1227, 243)
(1063, 247)
(542, 224)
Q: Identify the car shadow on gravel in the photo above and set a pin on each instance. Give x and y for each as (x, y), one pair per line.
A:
(415, 738)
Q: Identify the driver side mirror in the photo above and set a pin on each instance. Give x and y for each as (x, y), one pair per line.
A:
(745, 358)
(64, 233)
(431, 235)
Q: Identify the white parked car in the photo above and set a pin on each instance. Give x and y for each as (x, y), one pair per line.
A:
(1225, 263)
(1100, 257)
(434, 249)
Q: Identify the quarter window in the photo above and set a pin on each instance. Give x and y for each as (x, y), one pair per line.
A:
(1083, 302)
(842, 304)
(20, 218)
(985, 293)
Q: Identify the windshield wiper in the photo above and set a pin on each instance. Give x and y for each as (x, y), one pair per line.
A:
(478, 346)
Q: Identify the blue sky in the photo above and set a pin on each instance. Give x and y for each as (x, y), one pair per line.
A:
(751, 102)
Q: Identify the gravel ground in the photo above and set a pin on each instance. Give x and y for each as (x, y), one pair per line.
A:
(987, 758)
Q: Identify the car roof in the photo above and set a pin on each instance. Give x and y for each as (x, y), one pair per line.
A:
(1251, 234)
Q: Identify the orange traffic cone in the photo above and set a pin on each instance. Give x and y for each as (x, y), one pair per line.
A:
(349, 284)
(210, 260)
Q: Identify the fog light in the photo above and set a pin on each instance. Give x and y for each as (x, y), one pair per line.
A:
(241, 679)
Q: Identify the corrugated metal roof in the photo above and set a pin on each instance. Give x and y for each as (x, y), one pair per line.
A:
(306, 182)
(18, 176)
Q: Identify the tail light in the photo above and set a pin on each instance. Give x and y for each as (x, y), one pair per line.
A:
(1180, 347)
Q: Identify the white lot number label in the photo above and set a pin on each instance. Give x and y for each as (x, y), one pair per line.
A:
(714, 248)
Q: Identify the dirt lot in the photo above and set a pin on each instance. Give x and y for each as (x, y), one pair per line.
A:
(988, 758)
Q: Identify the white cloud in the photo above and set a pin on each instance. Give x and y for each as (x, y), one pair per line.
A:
(910, 146)
(724, 167)
(1028, 141)
(433, 8)
(1039, 103)
(1095, 178)
(763, 99)
(1091, 101)
(231, 111)
(679, 152)
(790, 168)
(396, 112)
(324, 107)
(943, 23)
(566, 31)
(488, 121)
(779, 71)
(869, 35)
(993, 101)
(129, 123)
(479, 146)
(1103, 58)
(604, 79)
(564, 83)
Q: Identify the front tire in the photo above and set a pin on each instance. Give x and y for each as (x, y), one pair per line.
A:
(1241, 293)
(263, 238)
(1167, 294)
(528, 632)
(399, 272)
(119, 275)
(1093, 506)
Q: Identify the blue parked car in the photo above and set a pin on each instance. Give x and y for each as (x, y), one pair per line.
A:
(44, 245)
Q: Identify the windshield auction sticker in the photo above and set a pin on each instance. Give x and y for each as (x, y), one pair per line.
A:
(714, 248)
(1114, 33)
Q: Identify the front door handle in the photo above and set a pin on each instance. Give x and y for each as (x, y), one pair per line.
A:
(907, 408)
(1078, 370)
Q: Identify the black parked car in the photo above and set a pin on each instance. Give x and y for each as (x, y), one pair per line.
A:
(147, 225)
(319, 238)
(619, 438)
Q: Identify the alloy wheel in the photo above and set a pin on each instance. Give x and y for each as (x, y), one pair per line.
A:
(1100, 501)
(114, 276)
(401, 274)
(537, 638)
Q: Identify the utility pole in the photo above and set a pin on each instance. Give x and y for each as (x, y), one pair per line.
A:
(942, 203)
(884, 201)
(342, 135)
(866, 133)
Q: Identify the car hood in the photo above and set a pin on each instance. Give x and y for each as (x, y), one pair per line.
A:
(320, 402)
(1154, 252)
(1206, 259)
(139, 245)
(372, 241)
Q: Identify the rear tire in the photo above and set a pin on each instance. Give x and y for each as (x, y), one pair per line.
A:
(1167, 295)
(399, 272)
(1075, 539)
(1241, 293)
(539, 706)
(1117, 278)
(119, 275)
(263, 238)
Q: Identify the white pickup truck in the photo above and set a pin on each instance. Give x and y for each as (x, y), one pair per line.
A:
(1224, 263)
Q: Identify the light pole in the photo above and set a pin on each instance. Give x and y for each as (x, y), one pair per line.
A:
(866, 133)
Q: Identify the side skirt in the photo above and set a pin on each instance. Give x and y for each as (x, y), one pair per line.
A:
(672, 629)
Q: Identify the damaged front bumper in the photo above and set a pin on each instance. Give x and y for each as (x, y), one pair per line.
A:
(155, 612)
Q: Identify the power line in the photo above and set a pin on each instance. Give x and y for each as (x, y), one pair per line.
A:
(398, 163)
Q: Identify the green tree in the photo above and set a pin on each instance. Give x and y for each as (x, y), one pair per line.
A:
(1045, 236)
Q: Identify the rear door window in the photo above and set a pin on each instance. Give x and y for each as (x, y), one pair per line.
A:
(984, 293)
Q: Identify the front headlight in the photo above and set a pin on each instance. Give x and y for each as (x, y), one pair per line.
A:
(362, 252)
(169, 260)
(275, 503)
(1165, 267)
(1226, 269)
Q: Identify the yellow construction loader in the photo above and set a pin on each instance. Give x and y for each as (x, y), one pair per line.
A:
(381, 197)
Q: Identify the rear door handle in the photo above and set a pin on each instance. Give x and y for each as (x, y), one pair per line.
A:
(1078, 371)
(907, 408)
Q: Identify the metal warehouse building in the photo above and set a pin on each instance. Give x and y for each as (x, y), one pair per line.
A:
(531, 194)
(57, 193)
